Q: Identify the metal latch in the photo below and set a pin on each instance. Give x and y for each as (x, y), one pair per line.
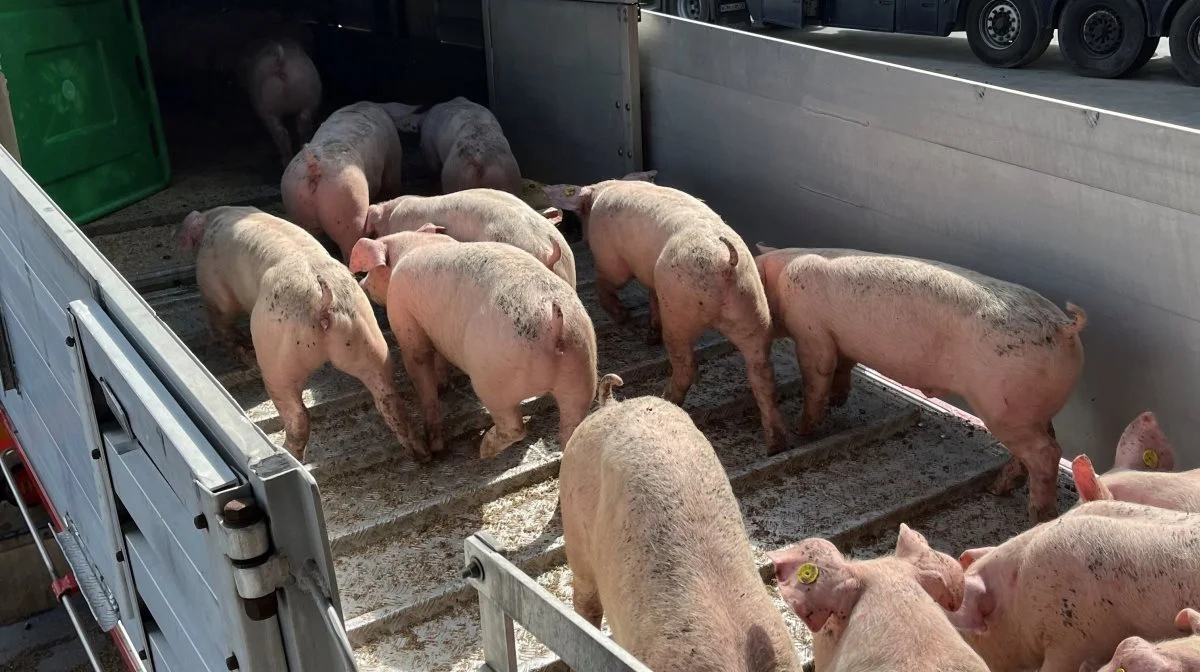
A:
(257, 572)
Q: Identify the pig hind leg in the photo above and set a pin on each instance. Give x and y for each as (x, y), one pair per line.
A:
(753, 338)
(842, 381)
(223, 324)
(817, 354)
(279, 135)
(365, 356)
(418, 354)
(612, 273)
(654, 332)
(285, 370)
(573, 392)
(585, 594)
(508, 429)
(1038, 453)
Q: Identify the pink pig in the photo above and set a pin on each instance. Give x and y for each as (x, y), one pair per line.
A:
(880, 614)
(305, 310)
(477, 215)
(463, 142)
(1067, 592)
(491, 310)
(353, 159)
(656, 543)
(282, 83)
(698, 273)
(939, 328)
(1171, 655)
(1142, 446)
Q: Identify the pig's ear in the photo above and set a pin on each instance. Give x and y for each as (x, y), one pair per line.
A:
(1087, 483)
(1188, 621)
(763, 249)
(407, 118)
(430, 227)
(191, 231)
(553, 214)
(939, 574)
(565, 196)
(367, 255)
(816, 581)
(978, 603)
(970, 555)
(1144, 447)
(644, 176)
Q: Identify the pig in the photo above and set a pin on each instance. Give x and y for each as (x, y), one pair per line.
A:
(1068, 591)
(697, 270)
(656, 542)
(882, 614)
(1171, 655)
(1142, 446)
(282, 83)
(305, 310)
(494, 312)
(463, 142)
(475, 215)
(354, 159)
(938, 328)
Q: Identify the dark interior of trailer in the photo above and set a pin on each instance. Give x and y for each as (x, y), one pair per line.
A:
(219, 152)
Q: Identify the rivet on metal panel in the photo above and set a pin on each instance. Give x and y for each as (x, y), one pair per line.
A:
(70, 341)
(627, 107)
(95, 453)
(200, 522)
(620, 151)
(241, 512)
(629, 153)
(120, 556)
(617, 104)
(231, 663)
(142, 654)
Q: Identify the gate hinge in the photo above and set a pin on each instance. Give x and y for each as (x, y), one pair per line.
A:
(257, 571)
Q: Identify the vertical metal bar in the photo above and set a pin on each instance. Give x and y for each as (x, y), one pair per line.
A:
(37, 540)
(499, 640)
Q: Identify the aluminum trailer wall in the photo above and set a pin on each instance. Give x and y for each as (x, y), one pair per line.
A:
(797, 145)
(142, 484)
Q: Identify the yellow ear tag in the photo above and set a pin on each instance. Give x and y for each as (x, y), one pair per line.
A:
(807, 573)
(1121, 669)
(569, 191)
(1150, 459)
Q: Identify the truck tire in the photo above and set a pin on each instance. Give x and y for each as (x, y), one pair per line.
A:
(1146, 54)
(1185, 42)
(696, 10)
(1101, 38)
(1006, 33)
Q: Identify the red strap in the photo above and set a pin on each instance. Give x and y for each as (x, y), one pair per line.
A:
(67, 585)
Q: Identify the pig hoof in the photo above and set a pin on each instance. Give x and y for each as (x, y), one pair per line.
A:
(776, 446)
(838, 400)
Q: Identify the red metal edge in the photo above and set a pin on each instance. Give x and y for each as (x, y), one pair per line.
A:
(67, 585)
(8, 439)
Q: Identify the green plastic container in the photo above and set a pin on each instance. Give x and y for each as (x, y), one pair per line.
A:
(83, 102)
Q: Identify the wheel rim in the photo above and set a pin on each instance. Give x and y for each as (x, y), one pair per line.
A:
(691, 9)
(1194, 40)
(999, 24)
(1102, 32)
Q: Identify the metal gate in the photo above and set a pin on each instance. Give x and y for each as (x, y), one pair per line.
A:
(564, 84)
